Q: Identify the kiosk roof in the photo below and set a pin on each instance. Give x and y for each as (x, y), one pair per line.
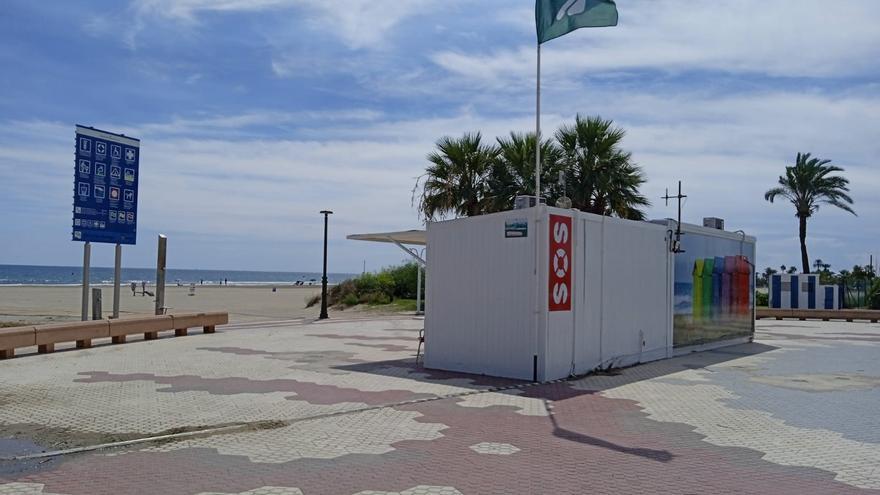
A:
(412, 237)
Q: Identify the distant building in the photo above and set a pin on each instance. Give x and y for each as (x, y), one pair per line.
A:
(802, 291)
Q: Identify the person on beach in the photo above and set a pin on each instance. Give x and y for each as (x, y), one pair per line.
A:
(143, 288)
(134, 288)
(226, 282)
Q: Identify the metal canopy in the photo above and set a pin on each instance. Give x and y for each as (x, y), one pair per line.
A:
(400, 238)
(414, 237)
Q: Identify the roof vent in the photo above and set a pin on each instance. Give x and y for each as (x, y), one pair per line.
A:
(713, 223)
(521, 202)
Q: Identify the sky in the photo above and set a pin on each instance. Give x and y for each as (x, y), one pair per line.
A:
(254, 115)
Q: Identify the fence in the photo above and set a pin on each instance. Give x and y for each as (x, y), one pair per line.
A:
(855, 292)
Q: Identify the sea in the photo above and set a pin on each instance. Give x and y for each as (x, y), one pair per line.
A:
(72, 275)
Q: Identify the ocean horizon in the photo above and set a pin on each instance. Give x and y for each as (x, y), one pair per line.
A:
(100, 275)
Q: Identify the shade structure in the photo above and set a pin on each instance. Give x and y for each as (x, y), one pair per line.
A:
(400, 238)
(406, 237)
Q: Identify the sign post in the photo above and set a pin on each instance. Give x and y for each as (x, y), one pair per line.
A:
(87, 254)
(117, 276)
(105, 192)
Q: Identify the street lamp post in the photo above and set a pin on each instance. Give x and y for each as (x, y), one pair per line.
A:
(324, 315)
(418, 282)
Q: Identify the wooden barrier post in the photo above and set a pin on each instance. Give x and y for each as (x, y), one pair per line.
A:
(97, 300)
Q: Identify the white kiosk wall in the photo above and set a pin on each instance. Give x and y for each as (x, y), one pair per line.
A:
(484, 274)
(479, 295)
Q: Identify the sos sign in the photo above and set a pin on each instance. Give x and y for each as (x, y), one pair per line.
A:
(560, 263)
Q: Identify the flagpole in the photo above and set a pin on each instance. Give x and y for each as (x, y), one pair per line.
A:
(538, 131)
(538, 292)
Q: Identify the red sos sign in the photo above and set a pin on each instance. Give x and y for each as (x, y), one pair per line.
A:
(560, 263)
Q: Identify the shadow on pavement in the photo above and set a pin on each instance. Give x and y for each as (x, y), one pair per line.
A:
(573, 436)
(596, 381)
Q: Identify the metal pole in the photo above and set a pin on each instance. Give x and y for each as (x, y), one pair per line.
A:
(117, 279)
(538, 132)
(323, 315)
(418, 289)
(537, 217)
(87, 255)
(160, 275)
(678, 224)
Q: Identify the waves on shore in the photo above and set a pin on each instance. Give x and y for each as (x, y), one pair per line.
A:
(29, 275)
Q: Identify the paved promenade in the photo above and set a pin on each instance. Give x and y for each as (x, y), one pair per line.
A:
(341, 408)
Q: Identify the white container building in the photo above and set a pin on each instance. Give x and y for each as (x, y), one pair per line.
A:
(544, 293)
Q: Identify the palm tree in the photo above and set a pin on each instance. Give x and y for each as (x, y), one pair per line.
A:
(513, 173)
(456, 181)
(859, 272)
(807, 185)
(600, 177)
(768, 272)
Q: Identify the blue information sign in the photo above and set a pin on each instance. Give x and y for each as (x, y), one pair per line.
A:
(105, 187)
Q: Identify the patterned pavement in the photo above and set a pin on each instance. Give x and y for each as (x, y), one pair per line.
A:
(341, 407)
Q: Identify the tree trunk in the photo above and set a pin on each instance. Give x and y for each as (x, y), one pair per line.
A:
(805, 260)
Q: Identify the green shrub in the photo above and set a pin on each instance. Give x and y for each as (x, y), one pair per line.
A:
(375, 298)
(762, 299)
(874, 295)
(404, 278)
(398, 282)
(313, 300)
(339, 294)
(367, 282)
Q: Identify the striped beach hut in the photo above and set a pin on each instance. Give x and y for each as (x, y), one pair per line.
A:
(802, 291)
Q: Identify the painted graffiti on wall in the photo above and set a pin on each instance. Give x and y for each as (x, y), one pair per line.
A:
(714, 290)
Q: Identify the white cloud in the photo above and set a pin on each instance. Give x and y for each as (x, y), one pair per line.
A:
(809, 38)
(358, 23)
(213, 176)
(240, 124)
(364, 23)
(188, 10)
(696, 84)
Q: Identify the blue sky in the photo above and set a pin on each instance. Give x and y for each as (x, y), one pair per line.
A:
(256, 114)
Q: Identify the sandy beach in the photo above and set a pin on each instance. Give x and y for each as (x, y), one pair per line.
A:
(41, 304)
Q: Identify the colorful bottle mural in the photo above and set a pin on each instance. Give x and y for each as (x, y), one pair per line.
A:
(742, 281)
(697, 290)
(728, 289)
(708, 268)
(721, 288)
(717, 283)
(714, 284)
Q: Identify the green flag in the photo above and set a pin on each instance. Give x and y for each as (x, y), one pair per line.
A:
(555, 18)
